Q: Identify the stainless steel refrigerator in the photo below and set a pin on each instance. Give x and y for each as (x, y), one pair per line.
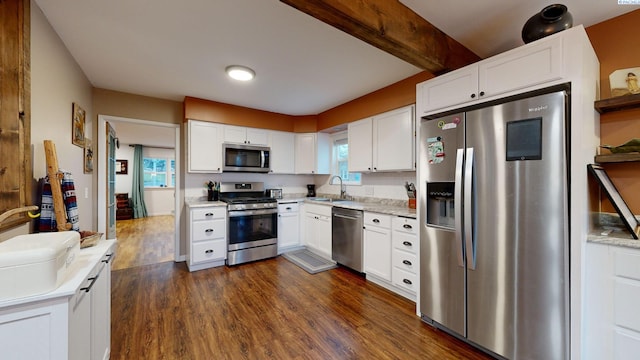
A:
(493, 197)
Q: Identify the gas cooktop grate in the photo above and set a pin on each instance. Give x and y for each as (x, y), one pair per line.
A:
(310, 262)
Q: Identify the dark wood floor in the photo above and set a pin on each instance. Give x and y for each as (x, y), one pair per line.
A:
(144, 241)
(269, 309)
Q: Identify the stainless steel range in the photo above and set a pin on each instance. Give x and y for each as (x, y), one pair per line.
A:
(253, 222)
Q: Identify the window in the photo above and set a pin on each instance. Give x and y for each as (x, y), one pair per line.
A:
(341, 161)
(158, 174)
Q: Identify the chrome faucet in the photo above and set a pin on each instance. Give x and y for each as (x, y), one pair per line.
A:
(343, 190)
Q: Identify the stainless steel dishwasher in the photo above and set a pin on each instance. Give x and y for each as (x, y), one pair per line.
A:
(346, 237)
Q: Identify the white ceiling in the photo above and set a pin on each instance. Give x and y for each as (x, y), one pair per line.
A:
(171, 49)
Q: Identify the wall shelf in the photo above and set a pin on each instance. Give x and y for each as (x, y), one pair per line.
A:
(618, 103)
(617, 158)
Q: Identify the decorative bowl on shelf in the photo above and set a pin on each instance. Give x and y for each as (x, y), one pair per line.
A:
(630, 146)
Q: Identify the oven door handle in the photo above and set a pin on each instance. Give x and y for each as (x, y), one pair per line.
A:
(252, 212)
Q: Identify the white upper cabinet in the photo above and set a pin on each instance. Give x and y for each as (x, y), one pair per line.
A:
(313, 153)
(385, 142)
(360, 139)
(535, 63)
(204, 147)
(282, 156)
(244, 135)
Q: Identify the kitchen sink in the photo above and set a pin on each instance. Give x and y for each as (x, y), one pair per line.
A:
(328, 199)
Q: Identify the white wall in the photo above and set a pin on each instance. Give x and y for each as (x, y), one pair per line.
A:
(56, 83)
(159, 201)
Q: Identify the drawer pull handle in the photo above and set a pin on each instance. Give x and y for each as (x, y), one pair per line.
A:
(407, 226)
(288, 208)
(407, 243)
(407, 262)
(407, 281)
(93, 281)
(208, 214)
(107, 258)
(376, 221)
(208, 230)
(208, 251)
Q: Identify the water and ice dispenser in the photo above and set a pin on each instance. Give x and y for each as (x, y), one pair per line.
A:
(440, 205)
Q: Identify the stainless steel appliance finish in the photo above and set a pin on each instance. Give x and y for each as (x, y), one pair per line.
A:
(245, 158)
(274, 193)
(346, 237)
(494, 237)
(253, 222)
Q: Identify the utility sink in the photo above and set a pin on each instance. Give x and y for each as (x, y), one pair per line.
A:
(35, 264)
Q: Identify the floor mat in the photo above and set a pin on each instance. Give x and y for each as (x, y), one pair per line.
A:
(310, 262)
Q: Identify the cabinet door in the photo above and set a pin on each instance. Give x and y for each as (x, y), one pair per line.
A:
(377, 252)
(80, 324)
(533, 64)
(310, 232)
(360, 139)
(235, 134)
(394, 140)
(323, 232)
(282, 156)
(204, 147)
(457, 87)
(257, 136)
(305, 153)
(288, 230)
(101, 312)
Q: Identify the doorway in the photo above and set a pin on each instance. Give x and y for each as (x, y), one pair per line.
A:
(106, 189)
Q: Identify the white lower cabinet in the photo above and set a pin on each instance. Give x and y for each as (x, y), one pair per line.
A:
(72, 322)
(391, 253)
(207, 237)
(612, 320)
(317, 229)
(288, 226)
(377, 245)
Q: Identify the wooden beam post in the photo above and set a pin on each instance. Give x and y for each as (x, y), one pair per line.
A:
(391, 27)
(56, 189)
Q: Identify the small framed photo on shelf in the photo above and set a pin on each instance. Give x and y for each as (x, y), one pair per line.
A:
(77, 125)
(88, 156)
(122, 167)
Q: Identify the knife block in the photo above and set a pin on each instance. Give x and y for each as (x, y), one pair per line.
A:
(412, 203)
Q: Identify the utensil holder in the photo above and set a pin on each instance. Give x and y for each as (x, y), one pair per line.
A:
(212, 195)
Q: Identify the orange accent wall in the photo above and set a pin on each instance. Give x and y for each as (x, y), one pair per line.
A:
(388, 98)
(207, 110)
(616, 44)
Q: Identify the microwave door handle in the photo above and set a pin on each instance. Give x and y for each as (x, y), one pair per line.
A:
(262, 158)
(457, 205)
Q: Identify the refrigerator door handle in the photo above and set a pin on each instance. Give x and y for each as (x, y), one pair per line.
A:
(468, 209)
(457, 205)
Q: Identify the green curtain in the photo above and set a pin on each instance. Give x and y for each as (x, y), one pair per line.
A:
(137, 194)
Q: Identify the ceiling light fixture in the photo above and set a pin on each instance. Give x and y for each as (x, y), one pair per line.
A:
(241, 73)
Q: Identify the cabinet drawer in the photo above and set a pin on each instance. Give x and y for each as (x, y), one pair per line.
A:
(207, 230)
(404, 241)
(209, 213)
(208, 251)
(627, 264)
(324, 210)
(405, 261)
(625, 304)
(376, 219)
(405, 280)
(288, 208)
(405, 225)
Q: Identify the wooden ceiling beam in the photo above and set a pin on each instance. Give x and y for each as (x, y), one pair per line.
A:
(392, 27)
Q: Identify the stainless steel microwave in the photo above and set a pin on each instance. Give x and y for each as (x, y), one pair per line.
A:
(245, 158)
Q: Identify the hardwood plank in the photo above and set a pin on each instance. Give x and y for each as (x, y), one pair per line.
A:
(269, 309)
(144, 241)
(392, 27)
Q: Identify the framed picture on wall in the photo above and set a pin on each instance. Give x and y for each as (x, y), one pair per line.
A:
(88, 156)
(77, 125)
(122, 167)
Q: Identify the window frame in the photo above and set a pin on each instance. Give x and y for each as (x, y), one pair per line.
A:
(354, 178)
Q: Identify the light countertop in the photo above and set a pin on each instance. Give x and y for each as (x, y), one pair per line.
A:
(611, 231)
